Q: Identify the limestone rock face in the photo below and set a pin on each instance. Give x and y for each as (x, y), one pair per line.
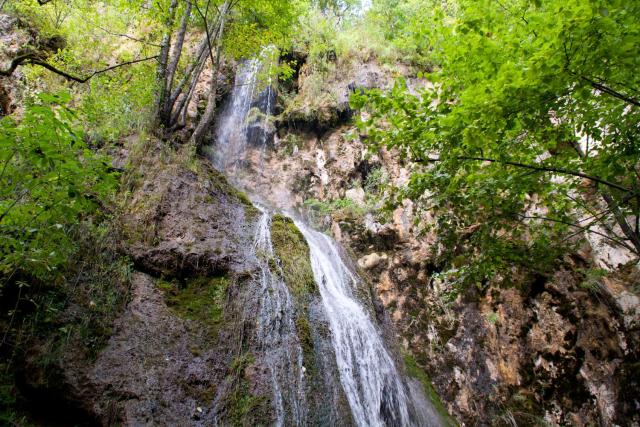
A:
(326, 108)
(12, 40)
(355, 194)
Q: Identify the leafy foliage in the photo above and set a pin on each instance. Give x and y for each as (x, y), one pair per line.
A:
(73, 37)
(527, 134)
(402, 28)
(49, 181)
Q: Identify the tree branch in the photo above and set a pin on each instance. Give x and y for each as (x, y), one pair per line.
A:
(585, 229)
(127, 36)
(15, 63)
(601, 87)
(33, 60)
(538, 168)
(206, 28)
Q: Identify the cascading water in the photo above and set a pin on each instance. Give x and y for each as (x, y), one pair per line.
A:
(376, 392)
(276, 332)
(250, 94)
(373, 385)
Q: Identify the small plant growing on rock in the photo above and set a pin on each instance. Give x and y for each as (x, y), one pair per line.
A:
(492, 317)
(592, 281)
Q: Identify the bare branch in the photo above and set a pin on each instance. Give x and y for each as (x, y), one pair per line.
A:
(127, 36)
(34, 60)
(541, 168)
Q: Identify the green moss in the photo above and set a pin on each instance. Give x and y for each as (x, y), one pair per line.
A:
(418, 373)
(246, 409)
(293, 252)
(306, 342)
(200, 299)
(221, 184)
(243, 407)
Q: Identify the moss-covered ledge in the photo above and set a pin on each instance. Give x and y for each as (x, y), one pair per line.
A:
(293, 252)
(415, 371)
(198, 299)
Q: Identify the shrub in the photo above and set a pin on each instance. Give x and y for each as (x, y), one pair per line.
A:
(49, 182)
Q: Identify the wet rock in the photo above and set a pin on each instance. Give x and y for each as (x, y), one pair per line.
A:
(182, 223)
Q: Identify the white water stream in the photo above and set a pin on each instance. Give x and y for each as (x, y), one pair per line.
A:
(377, 393)
(377, 396)
(276, 332)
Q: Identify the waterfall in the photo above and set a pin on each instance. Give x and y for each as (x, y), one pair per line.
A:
(368, 374)
(250, 95)
(276, 331)
(376, 391)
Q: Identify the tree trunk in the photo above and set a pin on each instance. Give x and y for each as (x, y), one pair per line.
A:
(192, 74)
(201, 51)
(183, 105)
(163, 60)
(176, 52)
(203, 126)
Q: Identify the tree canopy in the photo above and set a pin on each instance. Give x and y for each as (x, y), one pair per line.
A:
(527, 134)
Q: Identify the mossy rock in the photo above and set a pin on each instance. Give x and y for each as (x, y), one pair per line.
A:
(303, 327)
(199, 299)
(243, 407)
(293, 252)
(415, 371)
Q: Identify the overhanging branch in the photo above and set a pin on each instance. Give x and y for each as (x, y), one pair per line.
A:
(541, 168)
(609, 91)
(586, 229)
(34, 60)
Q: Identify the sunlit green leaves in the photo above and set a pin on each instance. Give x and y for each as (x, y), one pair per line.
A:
(518, 81)
(48, 182)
